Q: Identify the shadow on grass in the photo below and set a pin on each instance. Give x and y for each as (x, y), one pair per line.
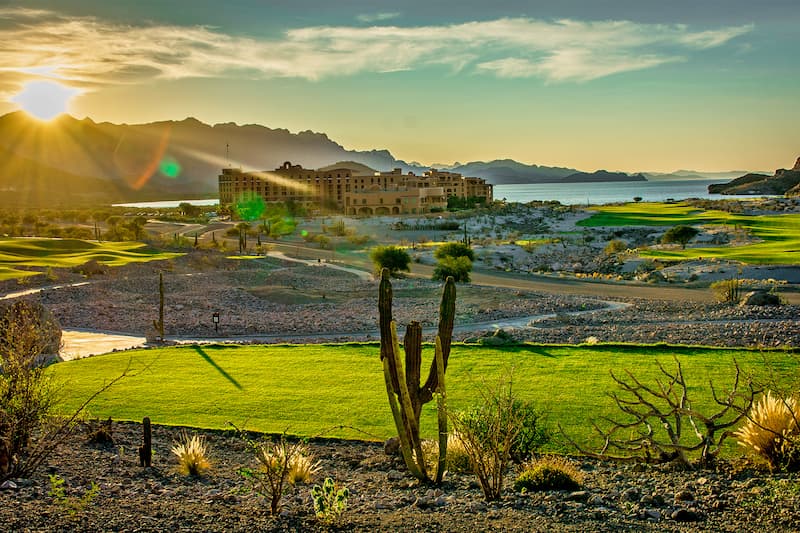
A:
(218, 368)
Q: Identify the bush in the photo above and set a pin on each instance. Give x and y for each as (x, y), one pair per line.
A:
(680, 235)
(615, 246)
(727, 290)
(457, 267)
(489, 433)
(772, 430)
(393, 258)
(454, 249)
(192, 453)
(549, 473)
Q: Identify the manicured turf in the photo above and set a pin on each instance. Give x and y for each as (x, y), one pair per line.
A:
(66, 253)
(779, 235)
(311, 389)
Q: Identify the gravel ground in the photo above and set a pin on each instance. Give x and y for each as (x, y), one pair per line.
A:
(292, 302)
(731, 497)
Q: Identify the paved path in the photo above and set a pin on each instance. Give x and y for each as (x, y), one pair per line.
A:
(77, 343)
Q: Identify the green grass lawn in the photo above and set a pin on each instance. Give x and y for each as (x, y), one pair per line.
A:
(309, 390)
(779, 234)
(67, 253)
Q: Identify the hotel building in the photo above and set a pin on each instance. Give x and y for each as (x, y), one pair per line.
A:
(353, 192)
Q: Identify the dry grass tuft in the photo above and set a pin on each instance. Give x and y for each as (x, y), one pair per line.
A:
(302, 466)
(192, 453)
(772, 430)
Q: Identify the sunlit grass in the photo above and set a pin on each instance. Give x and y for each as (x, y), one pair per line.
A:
(778, 235)
(310, 390)
(67, 253)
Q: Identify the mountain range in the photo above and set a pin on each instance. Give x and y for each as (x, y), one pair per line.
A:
(69, 161)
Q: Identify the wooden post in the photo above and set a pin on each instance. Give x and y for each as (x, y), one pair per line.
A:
(146, 449)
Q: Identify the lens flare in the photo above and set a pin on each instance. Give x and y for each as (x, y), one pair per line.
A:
(170, 167)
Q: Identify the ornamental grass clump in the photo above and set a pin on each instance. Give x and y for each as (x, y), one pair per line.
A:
(772, 431)
(192, 454)
(549, 472)
(302, 466)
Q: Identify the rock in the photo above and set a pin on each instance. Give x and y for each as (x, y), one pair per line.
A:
(630, 495)
(760, 298)
(578, 496)
(684, 496)
(685, 515)
(596, 500)
(8, 485)
(652, 514)
(394, 475)
(392, 446)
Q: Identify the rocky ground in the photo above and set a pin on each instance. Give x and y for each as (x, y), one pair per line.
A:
(285, 301)
(731, 497)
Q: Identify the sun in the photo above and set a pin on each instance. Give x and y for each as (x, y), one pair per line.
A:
(44, 100)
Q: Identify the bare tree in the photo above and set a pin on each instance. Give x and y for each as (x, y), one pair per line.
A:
(660, 424)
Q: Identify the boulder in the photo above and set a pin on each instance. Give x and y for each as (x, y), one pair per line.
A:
(760, 298)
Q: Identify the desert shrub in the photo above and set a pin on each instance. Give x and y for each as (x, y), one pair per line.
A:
(679, 235)
(454, 249)
(727, 290)
(771, 430)
(27, 395)
(192, 454)
(390, 257)
(271, 479)
(330, 501)
(358, 240)
(548, 473)
(615, 246)
(457, 267)
(489, 432)
(99, 431)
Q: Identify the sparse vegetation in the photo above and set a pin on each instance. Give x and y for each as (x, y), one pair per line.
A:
(488, 432)
(548, 472)
(192, 454)
(72, 505)
(727, 290)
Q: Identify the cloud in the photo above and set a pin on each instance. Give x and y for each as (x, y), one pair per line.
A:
(377, 17)
(88, 52)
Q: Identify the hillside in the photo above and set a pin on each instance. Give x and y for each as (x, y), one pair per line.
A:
(782, 182)
(85, 161)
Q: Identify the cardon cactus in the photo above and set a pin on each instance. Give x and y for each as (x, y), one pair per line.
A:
(406, 395)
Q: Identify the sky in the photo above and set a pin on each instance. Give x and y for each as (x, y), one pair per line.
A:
(631, 85)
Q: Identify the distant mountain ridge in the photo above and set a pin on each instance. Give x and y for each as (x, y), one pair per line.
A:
(782, 182)
(72, 161)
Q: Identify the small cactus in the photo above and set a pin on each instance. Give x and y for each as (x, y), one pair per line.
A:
(159, 325)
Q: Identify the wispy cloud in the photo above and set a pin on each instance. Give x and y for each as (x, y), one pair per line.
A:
(376, 17)
(90, 52)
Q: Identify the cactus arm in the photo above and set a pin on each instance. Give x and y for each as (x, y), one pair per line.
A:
(385, 321)
(447, 313)
(405, 445)
(412, 344)
(407, 411)
(442, 413)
